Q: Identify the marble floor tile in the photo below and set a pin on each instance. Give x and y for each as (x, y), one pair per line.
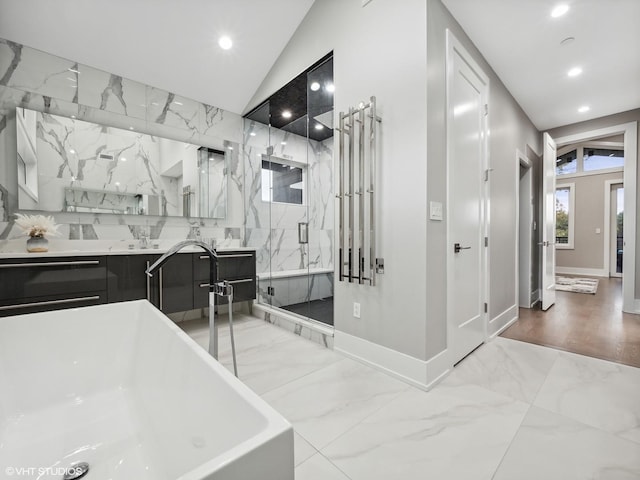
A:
(250, 333)
(602, 394)
(506, 366)
(550, 446)
(267, 357)
(451, 432)
(268, 367)
(302, 450)
(328, 402)
(319, 468)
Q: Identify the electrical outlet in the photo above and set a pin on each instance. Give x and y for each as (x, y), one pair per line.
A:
(356, 309)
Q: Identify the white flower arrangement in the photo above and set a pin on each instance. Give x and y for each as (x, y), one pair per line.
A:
(37, 225)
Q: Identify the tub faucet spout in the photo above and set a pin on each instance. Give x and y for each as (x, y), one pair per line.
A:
(214, 289)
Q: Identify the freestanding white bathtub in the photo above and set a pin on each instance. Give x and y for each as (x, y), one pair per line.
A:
(122, 388)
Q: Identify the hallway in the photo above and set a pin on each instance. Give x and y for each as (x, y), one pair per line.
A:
(591, 325)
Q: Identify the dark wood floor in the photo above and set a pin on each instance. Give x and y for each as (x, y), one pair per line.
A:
(592, 325)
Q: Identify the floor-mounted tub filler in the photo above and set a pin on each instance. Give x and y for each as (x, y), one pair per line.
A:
(121, 388)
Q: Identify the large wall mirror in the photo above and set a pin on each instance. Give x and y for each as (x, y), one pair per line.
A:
(70, 165)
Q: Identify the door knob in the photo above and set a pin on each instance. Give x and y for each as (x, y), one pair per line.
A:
(457, 248)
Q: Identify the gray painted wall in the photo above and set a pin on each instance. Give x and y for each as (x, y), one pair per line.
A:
(588, 251)
(602, 122)
(398, 54)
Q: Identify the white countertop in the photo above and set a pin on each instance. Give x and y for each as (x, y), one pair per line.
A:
(65, 251)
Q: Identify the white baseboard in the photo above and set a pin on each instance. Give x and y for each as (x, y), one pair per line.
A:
(636, 307)
(502, 321)
(589, 272)
(419, 373)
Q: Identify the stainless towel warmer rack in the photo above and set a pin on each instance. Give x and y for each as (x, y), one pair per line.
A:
(356, 185)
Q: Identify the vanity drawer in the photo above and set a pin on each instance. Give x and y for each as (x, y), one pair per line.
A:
(235, 265)
(51, 277)
(51, 302)
(231, 265)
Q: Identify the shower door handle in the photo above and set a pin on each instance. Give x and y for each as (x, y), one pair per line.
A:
(303, 232)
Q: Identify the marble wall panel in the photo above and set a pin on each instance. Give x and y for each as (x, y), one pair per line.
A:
(112, 93)
(34, 71)
(43, 82)
(284, 251)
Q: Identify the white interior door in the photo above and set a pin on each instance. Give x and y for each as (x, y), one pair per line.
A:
(548, 291)
(467, 164)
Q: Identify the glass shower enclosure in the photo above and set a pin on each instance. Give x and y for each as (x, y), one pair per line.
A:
(289, 201)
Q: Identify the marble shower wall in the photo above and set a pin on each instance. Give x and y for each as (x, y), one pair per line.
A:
(272, 228)
(46, 83)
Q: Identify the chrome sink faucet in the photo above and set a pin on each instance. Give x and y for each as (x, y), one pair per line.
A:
(222, 289)
(144, 240)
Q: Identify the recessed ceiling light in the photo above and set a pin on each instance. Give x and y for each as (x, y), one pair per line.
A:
(315, 86)
(283, 143)
(123, 159)
(286, 114)
(583, 109)
(574, 72)
(117, 184)
(225, 42)
(253, 134)
(559, 10)
(319, 126)
(331, 87)
(72, 151)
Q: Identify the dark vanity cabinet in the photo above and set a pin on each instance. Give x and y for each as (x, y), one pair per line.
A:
(47, 283)
(126, 279)
(170, 288)
(36, 284)
(238, 267)
(172, 285)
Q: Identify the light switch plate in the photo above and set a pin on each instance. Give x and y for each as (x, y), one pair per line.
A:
(435, 211)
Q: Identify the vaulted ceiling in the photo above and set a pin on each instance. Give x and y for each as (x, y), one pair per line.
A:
(170, 44)
(173, 45)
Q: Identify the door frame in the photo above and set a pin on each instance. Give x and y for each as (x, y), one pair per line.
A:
(607, 224)
(453, 45)
(630, 132)
(523, 161)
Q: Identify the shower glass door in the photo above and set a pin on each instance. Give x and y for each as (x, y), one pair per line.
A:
(288, 195)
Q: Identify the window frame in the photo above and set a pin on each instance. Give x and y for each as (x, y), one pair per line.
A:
(290, 163)
(570, 245)
(580, 148)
